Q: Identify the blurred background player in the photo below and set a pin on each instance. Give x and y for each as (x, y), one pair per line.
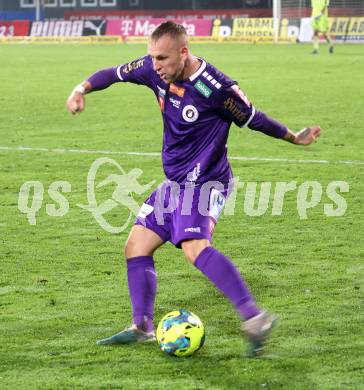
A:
(320, 24)
(198, 104)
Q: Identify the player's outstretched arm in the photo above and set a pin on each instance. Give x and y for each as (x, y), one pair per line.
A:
(76, 101)
(269, 126)
(102, 79)
(273, 128)
(237, 107)
(306, 136)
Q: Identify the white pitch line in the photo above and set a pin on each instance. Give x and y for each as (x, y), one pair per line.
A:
(153, 154)
(80, 151)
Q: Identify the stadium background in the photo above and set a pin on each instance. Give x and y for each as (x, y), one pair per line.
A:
(247, 20)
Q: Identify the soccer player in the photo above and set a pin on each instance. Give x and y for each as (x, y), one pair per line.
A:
(320, 24)
(198, 104)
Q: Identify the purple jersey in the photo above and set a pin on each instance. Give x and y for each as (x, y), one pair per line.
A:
(197, 114)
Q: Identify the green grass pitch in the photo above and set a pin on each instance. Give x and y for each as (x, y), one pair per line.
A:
(63, 280)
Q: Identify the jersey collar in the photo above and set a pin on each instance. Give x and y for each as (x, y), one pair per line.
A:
(199, 70)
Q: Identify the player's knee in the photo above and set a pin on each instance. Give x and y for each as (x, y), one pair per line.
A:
(140, 244)
(134, 248)
(192, 248)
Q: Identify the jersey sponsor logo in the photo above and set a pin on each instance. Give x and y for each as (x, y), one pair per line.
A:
(241, 94)
(179, 91)
(203, 89)
(231, 106)
(134, 65)
(176, 103)
(193, 230)
(190, 113)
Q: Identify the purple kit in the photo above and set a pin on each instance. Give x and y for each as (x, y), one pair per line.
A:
(197, 114)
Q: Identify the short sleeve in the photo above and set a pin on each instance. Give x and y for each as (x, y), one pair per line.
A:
(233, 105)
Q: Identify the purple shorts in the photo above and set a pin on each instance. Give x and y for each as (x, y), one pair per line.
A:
(177, 214)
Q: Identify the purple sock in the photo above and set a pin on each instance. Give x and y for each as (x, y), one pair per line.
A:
(225, 276)
(142, 281)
